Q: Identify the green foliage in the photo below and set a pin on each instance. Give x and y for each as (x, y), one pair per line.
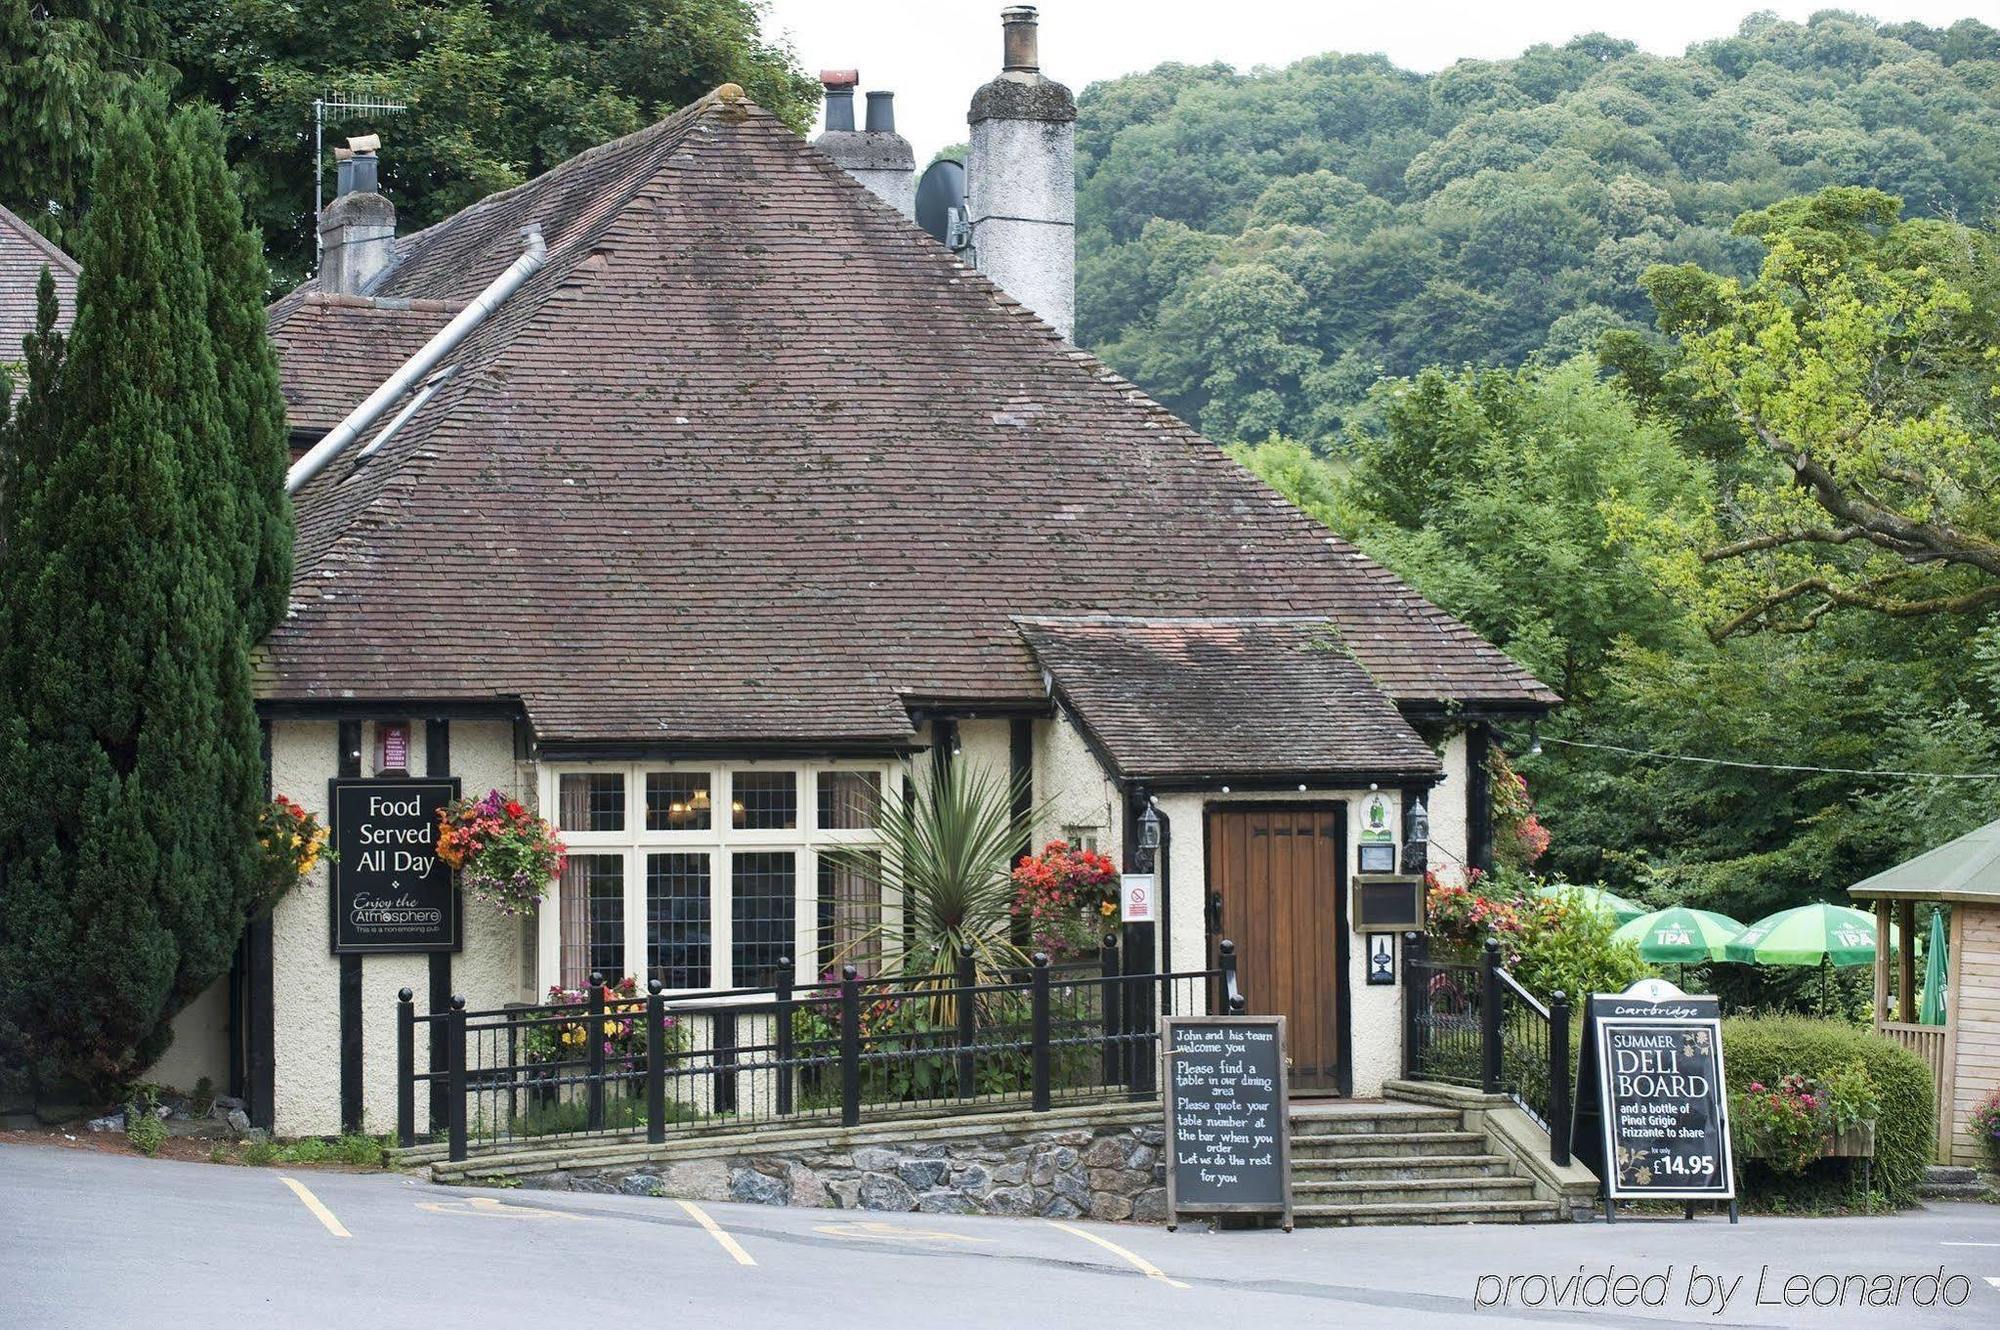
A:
(66, 64)
(1859, 372)
(496, 94)
(1347, 218)
(1565, 946)
(221, 1155)
(259, 1153)
(1767, 1049)
(144, 512)
(947, 856)
(203, 1100)
(146, 1132)
(1493, 492)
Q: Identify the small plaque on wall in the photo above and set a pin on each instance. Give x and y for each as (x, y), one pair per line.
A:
(1381, 959)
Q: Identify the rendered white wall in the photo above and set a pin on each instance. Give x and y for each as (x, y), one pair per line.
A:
(1446, 804)
(306, 975)
(201, 1043)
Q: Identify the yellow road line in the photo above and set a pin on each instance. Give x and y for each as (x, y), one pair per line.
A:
(312, 1203)
(729, 1244)
(1132, 1258)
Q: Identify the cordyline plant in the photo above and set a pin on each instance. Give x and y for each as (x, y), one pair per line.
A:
(946, 856)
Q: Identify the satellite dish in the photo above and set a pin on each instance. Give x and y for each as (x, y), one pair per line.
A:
(941, 204)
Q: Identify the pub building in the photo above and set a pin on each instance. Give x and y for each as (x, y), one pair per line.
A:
(695, 497)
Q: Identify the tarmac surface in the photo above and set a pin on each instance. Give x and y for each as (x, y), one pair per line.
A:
(94, 1239)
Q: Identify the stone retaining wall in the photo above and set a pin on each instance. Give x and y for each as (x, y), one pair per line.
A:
(1110, 1172)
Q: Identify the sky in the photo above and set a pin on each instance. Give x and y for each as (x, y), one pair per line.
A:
(933, 53)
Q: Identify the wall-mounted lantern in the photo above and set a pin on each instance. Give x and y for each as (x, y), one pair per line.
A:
(1149, 828)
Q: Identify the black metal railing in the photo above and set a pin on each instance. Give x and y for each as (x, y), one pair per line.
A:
(829, 1052)
(1472, 1023)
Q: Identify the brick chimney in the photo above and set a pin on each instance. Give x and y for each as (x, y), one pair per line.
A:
(357, 231)
(1021, 179)
(875, 155)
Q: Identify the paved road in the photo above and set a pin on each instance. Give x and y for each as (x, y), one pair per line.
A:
(92, 1240)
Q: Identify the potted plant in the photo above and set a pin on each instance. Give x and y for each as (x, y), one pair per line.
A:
(505, 855)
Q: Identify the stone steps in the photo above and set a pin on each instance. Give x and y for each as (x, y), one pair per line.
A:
(1400, 1166)
(1438, 1211)
(1403, 1162)
(1388, 1144)
(1372, 1120)
(1412, 1191)
(1946, 1182)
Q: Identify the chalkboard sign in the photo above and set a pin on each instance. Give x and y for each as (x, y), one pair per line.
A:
(1652, 1108)
(1229, 1148)
(390, 891)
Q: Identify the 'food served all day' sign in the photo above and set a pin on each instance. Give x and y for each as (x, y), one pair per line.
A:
(390, 891)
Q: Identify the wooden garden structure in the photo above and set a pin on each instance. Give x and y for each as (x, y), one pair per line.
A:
(1964, 1053)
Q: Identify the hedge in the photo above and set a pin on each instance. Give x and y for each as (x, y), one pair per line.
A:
(1765, 1048)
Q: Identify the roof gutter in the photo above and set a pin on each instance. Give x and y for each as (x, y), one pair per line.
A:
(322, 454)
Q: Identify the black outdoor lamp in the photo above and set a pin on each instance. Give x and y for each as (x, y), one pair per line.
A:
(1420, 823)
(1149, 828)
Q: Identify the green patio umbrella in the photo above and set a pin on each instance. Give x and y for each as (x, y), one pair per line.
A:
(1808, 935)
(1932, 1012)
(1597, 898)
(1680, 934)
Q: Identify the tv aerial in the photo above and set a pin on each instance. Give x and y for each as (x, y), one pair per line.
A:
(335, 107)
(941, 208)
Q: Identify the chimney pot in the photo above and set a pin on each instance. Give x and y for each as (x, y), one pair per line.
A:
(881, 113)
(1019, 53)
(357, 230)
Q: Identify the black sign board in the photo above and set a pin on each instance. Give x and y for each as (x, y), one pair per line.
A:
(1652, 1108)
(390, 891)
(1229, 1147)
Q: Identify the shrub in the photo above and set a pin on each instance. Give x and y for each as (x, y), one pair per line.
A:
(1985, 1124)
(146, 1132)
(1766, 1049)
(259, 1153)
(203, 1100)
(220, 1155)
(360, 1150)
(1566, 946)
(311, 1150)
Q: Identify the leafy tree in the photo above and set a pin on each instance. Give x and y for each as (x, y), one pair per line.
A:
(142, 511)
(64, 62)
(1859, 374)
(496, 93)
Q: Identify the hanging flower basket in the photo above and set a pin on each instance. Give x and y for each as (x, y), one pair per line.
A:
(505, 855)
(1068, 897)
(292, 842)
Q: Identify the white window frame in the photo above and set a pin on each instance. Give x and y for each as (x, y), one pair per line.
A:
(719, 842)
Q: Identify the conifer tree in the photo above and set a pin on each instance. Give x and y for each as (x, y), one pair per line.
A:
(138, 525)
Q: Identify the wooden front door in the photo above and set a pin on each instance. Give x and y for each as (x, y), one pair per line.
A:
(1276, 880)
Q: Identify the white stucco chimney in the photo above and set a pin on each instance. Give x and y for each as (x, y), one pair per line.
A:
(1021, 179)
(875, 155)
(357, 231)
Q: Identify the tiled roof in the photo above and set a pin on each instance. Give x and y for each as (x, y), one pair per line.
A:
(333, 348)
(24, 252)
(1226, 697)
(753, 459)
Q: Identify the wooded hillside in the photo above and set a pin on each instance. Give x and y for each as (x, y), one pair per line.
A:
(1256, 249)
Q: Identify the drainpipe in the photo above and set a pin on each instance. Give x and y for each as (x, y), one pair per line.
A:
(321, 455)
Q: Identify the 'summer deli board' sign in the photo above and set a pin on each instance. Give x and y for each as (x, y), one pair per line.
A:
(390, 891)
(1651, 1076)
(1228, 1133)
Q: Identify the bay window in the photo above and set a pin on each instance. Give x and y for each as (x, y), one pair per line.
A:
(705, 877)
